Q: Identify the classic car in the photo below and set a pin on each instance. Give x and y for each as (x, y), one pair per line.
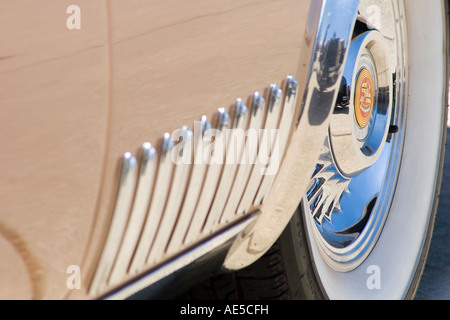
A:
(245, 149)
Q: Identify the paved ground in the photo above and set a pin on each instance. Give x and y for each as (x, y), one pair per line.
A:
(435, 284)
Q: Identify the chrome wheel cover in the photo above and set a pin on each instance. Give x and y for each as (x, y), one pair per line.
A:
(361, 232)
(349, 193)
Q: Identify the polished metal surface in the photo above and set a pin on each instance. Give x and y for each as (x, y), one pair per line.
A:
(418, 32)
(326, 188)
(356, 148)
(138, 213)
(183, 260)
(191, 200)
(215, 155)
(155, 211)
(174, 201)
(191, 186)
(119, 220)
(199, 168)
(234, 151)
(351, 188)
(257, 111)
(290, 88)
(177, 205)
(273, 100)
(193, 207)
(312, 116)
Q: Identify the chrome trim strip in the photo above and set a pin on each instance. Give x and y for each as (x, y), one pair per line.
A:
(290, 87)
(141, 202)
(193, 190)
(274, 95)
(157, 204)
(211, 180)
(229, 170)
(178, 202)
(181, 261)
(177, 191)
(257, 110)
(124, 200)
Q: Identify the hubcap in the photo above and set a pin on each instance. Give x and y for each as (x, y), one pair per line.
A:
(359, 129)
(356, 172)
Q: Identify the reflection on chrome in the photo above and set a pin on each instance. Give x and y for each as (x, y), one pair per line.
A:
(193, 190)
(326, 188)
(189, 187)
(138, 212)
(336, 20)
(273, 97)
(351, 189)
(173, 203)
(154, 214)
(290, 86)
(212, 178)
(357, 143)
(257, 111)
(118, 223)
(234, 151)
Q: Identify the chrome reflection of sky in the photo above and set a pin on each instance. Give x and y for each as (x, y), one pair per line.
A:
(356, 203)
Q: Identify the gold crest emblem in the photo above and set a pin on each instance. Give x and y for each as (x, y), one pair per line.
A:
(364, 97)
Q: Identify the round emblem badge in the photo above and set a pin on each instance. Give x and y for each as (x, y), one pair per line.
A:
(363, 97)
